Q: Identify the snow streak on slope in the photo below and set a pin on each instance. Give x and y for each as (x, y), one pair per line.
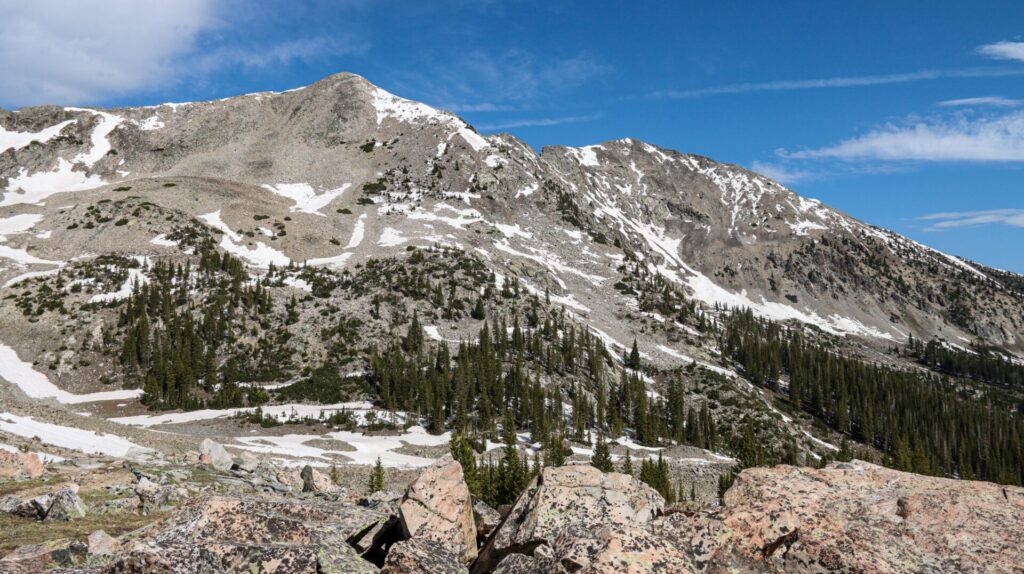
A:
(357, 232)
(388, 105)
(36, 385)
(305, 198)
(261, 256)
(607, 206)
(68, 175)
(18, 140)
(66, 437)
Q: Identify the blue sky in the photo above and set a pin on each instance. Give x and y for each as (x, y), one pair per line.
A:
(908, 115)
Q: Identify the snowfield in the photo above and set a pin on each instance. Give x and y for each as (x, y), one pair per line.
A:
(71, 438)
(367, 448)
(36, 385)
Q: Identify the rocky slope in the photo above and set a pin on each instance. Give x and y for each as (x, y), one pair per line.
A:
(848, 517)
(562, 220)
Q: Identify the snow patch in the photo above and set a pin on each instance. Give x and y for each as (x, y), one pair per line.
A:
(37, 386)
(305, 198)
(18, 140)
(391, 237)
(357, 232)
(66, 437)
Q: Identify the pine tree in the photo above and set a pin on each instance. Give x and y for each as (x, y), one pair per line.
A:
(633, 361)
(601, 459)
(376, 482)
(627, 466)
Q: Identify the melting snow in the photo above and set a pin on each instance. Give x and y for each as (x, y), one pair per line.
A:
(586, 155)
(391, 237)
(367, 448)
(18, 223)
(357, 233)
(18, 140)
(136, 276)
(162, 241)
(305, 198)
(36, 385)
(66, 437)
(260, 256)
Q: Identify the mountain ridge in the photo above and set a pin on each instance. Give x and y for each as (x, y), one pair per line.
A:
(239, 139)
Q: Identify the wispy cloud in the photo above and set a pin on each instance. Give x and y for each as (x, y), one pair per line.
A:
(958, 219)
(479, 108)
(993, 138)
(1004, 50)
(782, 173)
(991, 101)
(541, 122)
(837, 82)
(281, 54)
(494, 81)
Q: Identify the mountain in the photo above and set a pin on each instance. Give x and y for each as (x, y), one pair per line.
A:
(337, 279)
(727, 235)
(339, 254)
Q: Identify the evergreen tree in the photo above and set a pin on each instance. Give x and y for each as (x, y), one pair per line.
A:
(601, 459)
(376, 482)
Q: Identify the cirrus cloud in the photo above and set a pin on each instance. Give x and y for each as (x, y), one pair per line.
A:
(993, 138)
(957, 219)
(1004, 50)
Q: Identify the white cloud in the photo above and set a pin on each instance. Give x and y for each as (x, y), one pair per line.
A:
(998, 138)
(71, 51)
(837, 82)
(781, 173)
(992, 101)
(956, 219)
(1004, 51)
(541, 122)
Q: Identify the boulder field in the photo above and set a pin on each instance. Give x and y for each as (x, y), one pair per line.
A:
(847, 517)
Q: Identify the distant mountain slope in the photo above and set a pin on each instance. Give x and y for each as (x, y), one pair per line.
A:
(563, 220)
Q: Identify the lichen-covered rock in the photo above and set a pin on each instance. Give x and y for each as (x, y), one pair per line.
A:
(485, 518)
(102, 544)
(151, 495)
(65, 505)
(19, 465)
(235, 534)
(422, 556)
(562, 497)
(17, 506)
(44, 557)
(214, 454)
(247, 462)
(855, 517)
(617, 549)
(315, 481)
(438, 506)
(523, 564)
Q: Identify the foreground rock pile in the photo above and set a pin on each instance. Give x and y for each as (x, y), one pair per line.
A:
(848, 517)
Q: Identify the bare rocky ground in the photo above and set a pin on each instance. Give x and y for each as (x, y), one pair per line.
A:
(153, 515)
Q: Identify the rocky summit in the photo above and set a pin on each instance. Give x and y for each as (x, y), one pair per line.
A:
(335, 330)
